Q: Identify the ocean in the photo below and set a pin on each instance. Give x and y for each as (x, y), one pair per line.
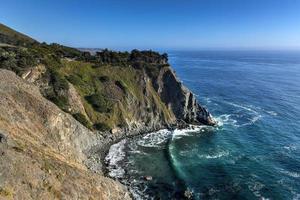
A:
(253, 153)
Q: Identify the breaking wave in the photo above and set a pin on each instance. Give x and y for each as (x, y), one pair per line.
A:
(116, 155)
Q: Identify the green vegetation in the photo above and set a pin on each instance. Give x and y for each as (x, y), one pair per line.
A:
(58, 90)
(17, 59)
(6, 192)
(10, 36)
(99, 102)
(103, 80)
(82, 119)
(102, 127)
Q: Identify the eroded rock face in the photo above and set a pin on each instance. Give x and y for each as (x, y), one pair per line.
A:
(75, 102)
(35, 73)
(181, 100)
(43, 149)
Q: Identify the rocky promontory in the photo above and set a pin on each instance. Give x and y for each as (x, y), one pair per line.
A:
(61, 108)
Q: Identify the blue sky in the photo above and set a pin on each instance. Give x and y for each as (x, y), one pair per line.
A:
(158, 24)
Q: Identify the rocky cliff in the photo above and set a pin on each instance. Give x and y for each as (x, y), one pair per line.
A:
(60, 108)
(43, 150)
(180, 100)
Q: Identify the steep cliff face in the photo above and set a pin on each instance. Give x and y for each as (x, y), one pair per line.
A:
(180, 100)
(43, 150)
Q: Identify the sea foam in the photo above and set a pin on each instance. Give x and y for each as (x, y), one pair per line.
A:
(115, 155)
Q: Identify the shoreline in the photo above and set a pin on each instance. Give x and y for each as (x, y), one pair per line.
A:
(103, 152)
(96, 154)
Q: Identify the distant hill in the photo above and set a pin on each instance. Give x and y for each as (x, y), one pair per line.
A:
(12, 37)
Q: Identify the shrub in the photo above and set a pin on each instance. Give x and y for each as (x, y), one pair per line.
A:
(57, 93)
(75, 79)
(101, 127)
(17, 59)
(99, 102)
(103, 79)
(58, 81)
(82, 119)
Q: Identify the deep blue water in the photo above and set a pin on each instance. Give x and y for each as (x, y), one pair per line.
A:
(254, 152)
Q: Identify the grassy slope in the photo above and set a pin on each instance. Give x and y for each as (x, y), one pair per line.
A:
(123, 82)
(18, 37)
(86, 79)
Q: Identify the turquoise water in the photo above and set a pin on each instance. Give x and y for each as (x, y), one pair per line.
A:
(253, 153)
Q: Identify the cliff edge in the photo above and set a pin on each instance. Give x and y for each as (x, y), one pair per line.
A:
(61, 108)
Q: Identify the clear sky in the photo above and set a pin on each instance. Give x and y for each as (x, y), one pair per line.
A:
(158, 24)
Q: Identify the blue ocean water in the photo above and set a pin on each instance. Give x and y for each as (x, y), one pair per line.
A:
(253, 153)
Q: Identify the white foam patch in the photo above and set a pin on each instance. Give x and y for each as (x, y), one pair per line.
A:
(179, 133)
(291, 174)
(226, 119)
(290, 147)
(248, 108)
(115, 155)
(273, 113)
(252, 121)
(256, 187)
(154, 139)
(214, 156)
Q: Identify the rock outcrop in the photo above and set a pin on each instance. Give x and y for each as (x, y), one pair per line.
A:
(180, 100)
(43, 149)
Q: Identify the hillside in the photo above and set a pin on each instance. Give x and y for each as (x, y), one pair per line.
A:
(43, 149)
(66, 106)
(10, 36)
(109, 90)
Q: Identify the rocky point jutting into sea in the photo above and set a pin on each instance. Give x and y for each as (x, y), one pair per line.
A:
(61, 108)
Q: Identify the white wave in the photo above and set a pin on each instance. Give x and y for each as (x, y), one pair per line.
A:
(291, 174)
(208, 100)
(290, 147)
(248, 108)
(115, 155)
(154, 139)
(273, 113)
(256, 187)
(252, 121)
(225, 119)
(179, 133)
(214, 156)
(137, 152)
(254, 109)
(296, 195)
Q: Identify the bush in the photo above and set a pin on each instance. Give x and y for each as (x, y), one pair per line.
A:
(17, 59)
(75, 79)
(103, 79)
(99, 103)
(102, 127)
(82, 119)
(57, 93)
(58, 81)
